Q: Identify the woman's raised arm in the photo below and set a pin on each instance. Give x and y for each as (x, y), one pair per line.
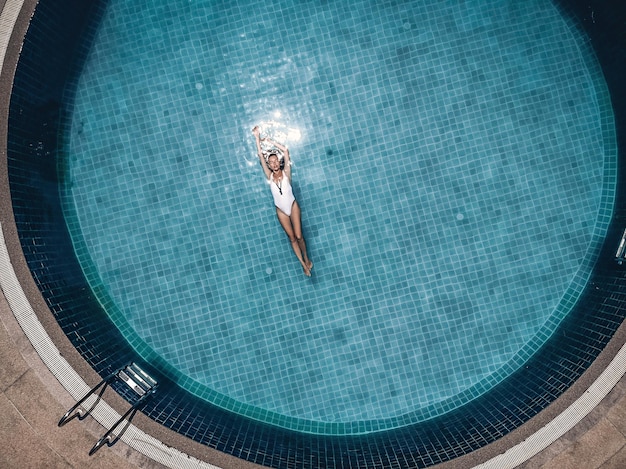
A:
(257, 136)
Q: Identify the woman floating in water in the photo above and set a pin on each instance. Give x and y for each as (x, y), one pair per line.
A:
(287, 208)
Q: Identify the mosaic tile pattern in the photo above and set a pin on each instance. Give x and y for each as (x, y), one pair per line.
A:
(453, 169)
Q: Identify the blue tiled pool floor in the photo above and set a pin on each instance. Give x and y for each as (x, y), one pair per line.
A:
(455, 165)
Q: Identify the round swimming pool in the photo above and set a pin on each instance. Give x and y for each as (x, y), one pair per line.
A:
(457, 170)
(451, 163)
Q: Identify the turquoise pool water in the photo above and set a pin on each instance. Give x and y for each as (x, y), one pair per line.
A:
(455, 165)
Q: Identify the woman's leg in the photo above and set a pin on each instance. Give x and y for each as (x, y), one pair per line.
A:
(285, 222)
(296, 222)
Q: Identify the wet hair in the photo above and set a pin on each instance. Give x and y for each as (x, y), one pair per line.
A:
(280, 160)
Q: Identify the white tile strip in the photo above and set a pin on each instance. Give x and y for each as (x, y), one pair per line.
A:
(565, 421)
(8, 17)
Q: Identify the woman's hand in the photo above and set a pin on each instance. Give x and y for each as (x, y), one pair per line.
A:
(256, 131)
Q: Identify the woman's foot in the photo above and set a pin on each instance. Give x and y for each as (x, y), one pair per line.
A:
(307, 268)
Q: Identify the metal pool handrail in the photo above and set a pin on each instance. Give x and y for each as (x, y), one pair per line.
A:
(136, 379)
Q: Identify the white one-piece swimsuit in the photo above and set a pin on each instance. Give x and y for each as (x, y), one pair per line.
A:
(283, 194)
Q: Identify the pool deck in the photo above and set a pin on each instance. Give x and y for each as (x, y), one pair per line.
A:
(32, 401)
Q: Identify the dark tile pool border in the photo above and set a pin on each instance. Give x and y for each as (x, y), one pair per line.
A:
(34, 114)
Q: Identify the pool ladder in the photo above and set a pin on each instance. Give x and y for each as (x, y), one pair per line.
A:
(137, 380)
(620, 255)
